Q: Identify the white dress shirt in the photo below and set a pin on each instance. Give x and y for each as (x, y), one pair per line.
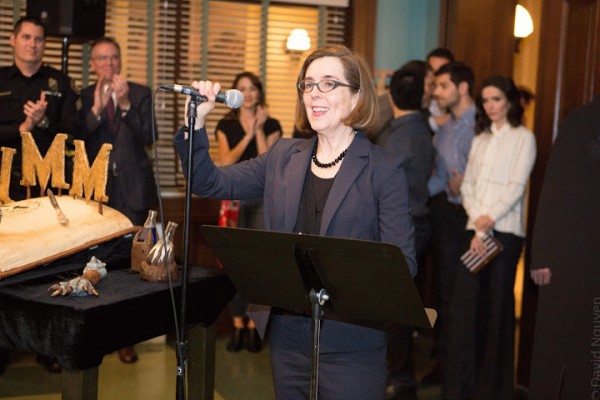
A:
(496, 177)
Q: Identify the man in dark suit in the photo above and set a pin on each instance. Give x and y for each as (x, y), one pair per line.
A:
(119, 112)
(408, 137)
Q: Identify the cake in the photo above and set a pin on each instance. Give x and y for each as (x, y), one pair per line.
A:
(31, 234)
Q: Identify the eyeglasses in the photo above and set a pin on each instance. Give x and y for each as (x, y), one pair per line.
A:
(114, 57)
(324, 85)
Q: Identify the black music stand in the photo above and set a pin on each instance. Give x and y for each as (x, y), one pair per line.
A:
(366, 282)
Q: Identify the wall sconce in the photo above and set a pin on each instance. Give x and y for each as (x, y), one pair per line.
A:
(298, 40)
(523, 25)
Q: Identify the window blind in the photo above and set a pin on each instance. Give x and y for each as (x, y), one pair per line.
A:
(185, 40)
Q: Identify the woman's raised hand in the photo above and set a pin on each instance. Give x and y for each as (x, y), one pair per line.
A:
(261, 116)
(209, 90)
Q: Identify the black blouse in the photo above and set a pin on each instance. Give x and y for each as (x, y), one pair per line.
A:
(235, 133)
(314, 196)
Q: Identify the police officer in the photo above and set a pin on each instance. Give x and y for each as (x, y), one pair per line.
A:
(34, 98)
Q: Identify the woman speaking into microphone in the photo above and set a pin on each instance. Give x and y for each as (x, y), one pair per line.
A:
(335, 184)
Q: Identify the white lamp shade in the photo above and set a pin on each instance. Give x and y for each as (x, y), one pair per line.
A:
(523, 22)
(298, 40)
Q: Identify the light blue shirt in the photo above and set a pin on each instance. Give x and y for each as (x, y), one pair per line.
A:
(452, 144)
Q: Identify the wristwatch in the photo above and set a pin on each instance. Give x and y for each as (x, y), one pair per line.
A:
(44, 123)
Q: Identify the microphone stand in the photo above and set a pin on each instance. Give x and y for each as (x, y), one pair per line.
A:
(181, 341)
(65, 55)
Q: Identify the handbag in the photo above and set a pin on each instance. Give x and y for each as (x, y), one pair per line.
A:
(474, 262)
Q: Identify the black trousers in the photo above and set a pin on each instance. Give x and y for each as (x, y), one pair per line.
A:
(251, 215)
(400, 337)
(448, 236)
(479, 347)
(349, 374)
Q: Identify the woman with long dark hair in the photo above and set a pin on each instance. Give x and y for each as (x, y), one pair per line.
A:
(242, 134)
(494, 191)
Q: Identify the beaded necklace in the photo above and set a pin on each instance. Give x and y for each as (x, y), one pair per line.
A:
(329, 164)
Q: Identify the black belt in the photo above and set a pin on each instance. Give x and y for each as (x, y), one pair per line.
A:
(456, 207)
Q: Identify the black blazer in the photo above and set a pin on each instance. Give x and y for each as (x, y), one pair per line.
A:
(131, 134)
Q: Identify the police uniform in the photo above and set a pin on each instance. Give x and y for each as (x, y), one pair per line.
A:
(61, 112)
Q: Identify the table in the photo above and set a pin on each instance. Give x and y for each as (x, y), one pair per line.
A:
(80, 331)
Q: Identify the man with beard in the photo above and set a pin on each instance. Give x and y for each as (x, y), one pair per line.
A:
(452, 142)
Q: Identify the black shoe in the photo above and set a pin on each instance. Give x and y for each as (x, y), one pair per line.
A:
(237, 340)
(401, 392)
(521, 393)
(432, 378)
(254, 343)
(48, 363)
(127, 355)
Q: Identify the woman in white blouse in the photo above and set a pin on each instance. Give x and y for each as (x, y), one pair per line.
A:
(493, 190)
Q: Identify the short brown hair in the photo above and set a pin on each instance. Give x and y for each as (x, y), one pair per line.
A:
(30, 19)
(357, 75)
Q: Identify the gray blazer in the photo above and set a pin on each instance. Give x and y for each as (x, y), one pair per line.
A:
(368, 199)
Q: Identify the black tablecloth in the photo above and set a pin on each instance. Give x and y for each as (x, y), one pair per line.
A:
(79, 331)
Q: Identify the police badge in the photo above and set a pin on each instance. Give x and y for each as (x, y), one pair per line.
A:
(52, 88)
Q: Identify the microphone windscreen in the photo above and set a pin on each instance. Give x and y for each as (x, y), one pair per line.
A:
(234, 98)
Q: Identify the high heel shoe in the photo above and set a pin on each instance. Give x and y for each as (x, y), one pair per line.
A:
(254, 343)
(237, 340)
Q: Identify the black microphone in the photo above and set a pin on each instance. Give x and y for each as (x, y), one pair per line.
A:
(232, 98)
